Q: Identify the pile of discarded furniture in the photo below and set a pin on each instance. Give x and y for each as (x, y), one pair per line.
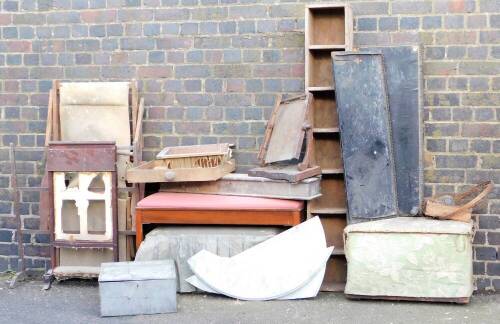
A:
(335, 204)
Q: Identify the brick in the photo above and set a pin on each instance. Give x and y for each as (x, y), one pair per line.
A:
(488, 37)
(212, 42)
(431, 22)
(458, 145)
(212, 13)
(192, 128)
(455, 52)
(434, 53)
(477, 53)
(490, 162)
(412, 7)
(457, 83)
(409, 23)
(479, 237)
(367, 24)
(232, 70)
(481, 99)
(474, 68)
(213, 85)
(480, 130)
(442, 99)
(436, 145)
(495, 21)
(232, 99)
(192, 85)
(493, 268)
(155, 71)
(444, 176)
(191, 71)
(246, 27)
(156, 57)
(194, 99)
(208, 27)
(263, 26)
(67, 17)
(453, 22)
(477, 176)
(462, 114)
(480, 146)
(484, 114)
(489, 6)
(494, 238)
(440, 68)
(455, 161)
(227, 27)
(485, 253)
(476, 21)
(478, 268)
(456, 37)
(172, 14)
(435, 83)
(388, 23)
(369, 8)
(189, 29)
(102, 16)
(253, 11)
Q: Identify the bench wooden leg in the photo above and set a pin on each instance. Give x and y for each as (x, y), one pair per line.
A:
(138, 228)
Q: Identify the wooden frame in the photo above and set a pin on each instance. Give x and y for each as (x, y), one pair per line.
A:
(134, 153)
(328, 28)
(157, 171)
(282, 169)
(80, 157)
(214, 217)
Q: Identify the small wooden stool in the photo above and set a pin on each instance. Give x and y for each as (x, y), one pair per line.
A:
(187, 208)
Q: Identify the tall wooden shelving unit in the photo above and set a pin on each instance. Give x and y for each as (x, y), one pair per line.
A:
(329, 27)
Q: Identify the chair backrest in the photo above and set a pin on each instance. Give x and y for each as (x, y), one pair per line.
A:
(95, 111)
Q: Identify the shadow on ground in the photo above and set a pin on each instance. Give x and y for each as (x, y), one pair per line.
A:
(78, 302)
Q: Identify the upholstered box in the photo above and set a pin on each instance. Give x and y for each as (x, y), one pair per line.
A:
(409, 258)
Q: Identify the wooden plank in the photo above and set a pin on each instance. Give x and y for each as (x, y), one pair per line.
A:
(404, 87)
(327, 25)
(335, 274)
(284, 172)
(333, 194)
(365, 135)
(267, 134)
(287, 134)
(194, 150)
(155, 171)
(215, 217)
(244, 185)
(83, 157)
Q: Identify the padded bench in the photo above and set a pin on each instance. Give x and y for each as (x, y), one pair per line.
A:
(201, 209)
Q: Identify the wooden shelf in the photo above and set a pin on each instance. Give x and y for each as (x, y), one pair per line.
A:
(339, 251)
(318, 89)
(326, 130)
(332, 171)
(325, 211)
(327, 47)
(328, 29)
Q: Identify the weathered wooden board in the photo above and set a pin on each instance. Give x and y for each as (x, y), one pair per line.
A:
(365, 130)
(404, 87)
(96, 111)
(284, 172)
(243, 185)
(287, 131)
(155, 171)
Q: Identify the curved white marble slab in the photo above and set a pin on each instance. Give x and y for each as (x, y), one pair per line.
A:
(263, 278)
(309, 290)
(301, 248)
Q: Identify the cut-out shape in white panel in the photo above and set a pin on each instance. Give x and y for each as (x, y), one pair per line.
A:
(290, 265)
(78, 192)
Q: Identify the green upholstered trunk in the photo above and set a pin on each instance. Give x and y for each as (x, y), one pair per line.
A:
(412, 257)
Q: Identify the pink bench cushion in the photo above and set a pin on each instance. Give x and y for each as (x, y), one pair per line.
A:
(188, 201)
